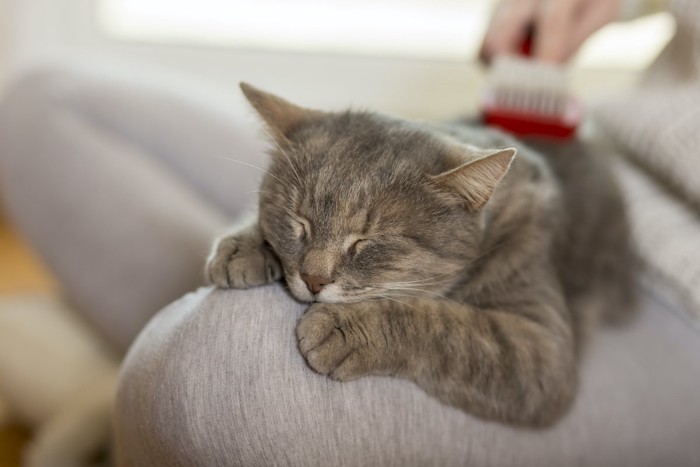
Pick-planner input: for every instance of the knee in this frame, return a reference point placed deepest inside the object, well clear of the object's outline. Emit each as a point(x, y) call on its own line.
point(36, 92)
point(189, 371)
point(29, 109)
point(151, 394)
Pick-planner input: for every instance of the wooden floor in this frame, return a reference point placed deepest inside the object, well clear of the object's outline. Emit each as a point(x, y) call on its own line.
point(20, 272)
point(12, 440)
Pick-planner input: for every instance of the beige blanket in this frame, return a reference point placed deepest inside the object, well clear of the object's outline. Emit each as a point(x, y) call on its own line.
point(658, 128)
point(667, 234)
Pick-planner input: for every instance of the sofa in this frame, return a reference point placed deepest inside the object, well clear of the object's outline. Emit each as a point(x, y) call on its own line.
point(121, 186)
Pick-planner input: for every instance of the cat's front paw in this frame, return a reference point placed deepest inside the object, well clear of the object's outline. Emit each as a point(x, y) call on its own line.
point(240, 262)
point(342, 341)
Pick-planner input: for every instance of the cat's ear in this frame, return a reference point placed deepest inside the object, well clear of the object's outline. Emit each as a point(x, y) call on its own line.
point(475, 181)
point(282, 117)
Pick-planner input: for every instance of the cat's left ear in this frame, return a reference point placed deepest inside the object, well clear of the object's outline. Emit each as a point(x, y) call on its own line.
point(282, 117)
point(474, 182)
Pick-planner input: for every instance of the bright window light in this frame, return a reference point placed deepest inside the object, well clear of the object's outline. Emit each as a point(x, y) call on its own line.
point(432, 29)
point(630, 45)
point(428, 29)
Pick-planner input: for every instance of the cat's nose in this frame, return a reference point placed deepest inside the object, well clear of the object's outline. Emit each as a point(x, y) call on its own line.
point(315, 283)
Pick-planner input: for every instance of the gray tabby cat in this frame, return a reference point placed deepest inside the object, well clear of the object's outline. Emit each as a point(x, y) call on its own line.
point(471, 272)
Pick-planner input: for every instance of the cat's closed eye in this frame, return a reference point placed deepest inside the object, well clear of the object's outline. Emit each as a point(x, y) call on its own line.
point(354, 245)
point(301, 228)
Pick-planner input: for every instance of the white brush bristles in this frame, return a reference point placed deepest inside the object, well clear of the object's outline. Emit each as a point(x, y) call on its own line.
point(523, 85)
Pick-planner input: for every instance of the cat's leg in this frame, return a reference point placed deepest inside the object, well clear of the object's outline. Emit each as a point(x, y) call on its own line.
point(241, 259)
point(513, 366)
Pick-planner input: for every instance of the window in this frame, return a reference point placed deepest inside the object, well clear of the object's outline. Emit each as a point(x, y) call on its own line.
point(423, 29)
point(426, 29)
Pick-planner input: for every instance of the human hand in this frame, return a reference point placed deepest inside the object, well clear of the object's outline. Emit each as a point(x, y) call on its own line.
point(560, 26)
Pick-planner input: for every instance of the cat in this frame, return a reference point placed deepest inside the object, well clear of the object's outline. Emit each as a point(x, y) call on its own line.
point(431, 252)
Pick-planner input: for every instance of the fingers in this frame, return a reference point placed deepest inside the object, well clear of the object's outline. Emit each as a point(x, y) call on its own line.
point(508, 27)
point(561, 26)
point(593, 19)
point(554, 26)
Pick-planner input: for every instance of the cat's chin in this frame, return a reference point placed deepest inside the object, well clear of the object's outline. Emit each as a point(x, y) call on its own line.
point(307, 298)
point(341, 298)
point(303, 295)
point(334, 293)
point(330, 294)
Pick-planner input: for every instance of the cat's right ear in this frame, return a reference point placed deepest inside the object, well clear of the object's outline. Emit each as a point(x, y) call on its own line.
point(281, 117)
point(473, 183)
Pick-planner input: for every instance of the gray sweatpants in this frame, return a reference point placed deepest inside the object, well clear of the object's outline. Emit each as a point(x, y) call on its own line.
point(216, 380)
point(121, 187)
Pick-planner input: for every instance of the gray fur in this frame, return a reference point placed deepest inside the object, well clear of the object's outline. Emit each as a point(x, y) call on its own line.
point(477, 278)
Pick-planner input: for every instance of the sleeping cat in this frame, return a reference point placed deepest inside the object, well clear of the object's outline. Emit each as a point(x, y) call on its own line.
point(434, 253)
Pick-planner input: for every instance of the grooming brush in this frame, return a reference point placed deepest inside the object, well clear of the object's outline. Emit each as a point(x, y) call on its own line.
point(528, 98)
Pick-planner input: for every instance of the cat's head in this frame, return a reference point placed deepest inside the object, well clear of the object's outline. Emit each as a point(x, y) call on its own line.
point(360, 206)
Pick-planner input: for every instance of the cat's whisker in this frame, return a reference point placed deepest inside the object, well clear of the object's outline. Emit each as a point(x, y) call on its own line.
point(230, 159)
point(414, 292)
point(427, 279)
point(386, 297)
point(286, 156)
point(397, 285)
point(391, 285)
point(419, 292)
point(389, 295)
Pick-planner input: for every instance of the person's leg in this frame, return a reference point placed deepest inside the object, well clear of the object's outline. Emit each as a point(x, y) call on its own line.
point(216, 380)
point(203, 136)
point(122, 234)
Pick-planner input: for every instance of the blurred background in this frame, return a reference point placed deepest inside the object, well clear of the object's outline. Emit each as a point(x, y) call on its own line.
point(412, 57)
point(415, 58)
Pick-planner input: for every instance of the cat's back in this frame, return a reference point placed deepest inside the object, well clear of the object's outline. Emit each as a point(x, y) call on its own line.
point(592, 247)
point(594, 254)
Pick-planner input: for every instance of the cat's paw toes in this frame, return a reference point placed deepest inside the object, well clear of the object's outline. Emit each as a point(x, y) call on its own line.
point(354, 366)
point(237, 264)
point(328, 340)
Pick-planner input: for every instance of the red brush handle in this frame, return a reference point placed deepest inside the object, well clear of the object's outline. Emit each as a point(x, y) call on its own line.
point(532, 125)
point(526, 46)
